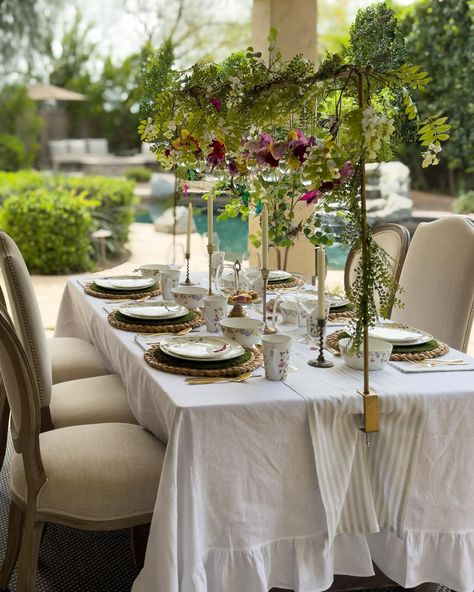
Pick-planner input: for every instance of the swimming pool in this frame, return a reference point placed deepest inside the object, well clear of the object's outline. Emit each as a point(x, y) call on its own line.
point(233, 235)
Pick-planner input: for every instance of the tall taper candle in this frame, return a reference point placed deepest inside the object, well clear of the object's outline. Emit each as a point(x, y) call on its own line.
point(190, 225)
point(210, 220)
point(264, 236)
point(321, 283)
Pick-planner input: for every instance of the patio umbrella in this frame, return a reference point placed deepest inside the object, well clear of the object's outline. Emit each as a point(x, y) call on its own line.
point(45, 92)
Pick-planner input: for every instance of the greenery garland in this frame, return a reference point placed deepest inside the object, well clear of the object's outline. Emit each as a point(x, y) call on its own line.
point(287, 134)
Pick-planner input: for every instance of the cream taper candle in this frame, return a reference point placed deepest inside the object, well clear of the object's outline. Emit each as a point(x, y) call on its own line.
point(321, 283)
point(264, 236)
point(210, 220)
point(189, 227)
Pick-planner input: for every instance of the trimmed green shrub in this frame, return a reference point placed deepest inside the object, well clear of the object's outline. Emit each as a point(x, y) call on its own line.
point(464, 204)
point(52, 230)
point(12, 153)
point(138, 174)
point(111, 200)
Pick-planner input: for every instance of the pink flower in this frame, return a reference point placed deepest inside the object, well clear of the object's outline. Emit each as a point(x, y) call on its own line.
point(216, 104)
point(311, 197)
point(185, 190)
point(347, 170)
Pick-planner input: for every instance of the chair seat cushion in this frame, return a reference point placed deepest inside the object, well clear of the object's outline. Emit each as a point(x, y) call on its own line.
point(73, 358)
point(99, 399)
point(96, 472)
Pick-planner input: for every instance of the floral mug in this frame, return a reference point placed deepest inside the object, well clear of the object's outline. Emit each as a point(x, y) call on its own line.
point(276, 356)
point(215, 309)
point(169, 279)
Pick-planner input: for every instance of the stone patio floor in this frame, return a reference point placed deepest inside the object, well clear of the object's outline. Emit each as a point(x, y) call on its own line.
point(146, 246)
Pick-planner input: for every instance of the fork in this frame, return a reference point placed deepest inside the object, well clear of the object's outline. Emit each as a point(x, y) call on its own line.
point(436, 363)
point(203, 380)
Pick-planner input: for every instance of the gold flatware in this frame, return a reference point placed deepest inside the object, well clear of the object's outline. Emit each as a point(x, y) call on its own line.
point(205, 380)
point(127, 300)
point(179, 333)
point(435, 363)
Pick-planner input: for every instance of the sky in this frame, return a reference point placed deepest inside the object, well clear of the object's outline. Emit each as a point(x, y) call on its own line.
point(118, 33)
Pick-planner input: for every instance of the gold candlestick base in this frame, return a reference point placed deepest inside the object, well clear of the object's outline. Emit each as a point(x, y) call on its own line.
point(237, 312)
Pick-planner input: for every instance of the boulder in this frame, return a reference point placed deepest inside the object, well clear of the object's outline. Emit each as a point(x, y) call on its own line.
point(162, 186)
point(165, 222)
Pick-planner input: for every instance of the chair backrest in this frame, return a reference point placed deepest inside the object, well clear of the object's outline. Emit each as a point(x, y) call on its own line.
point(394, 239)
point(21, 390)
point(26, 314)
point(438, 280)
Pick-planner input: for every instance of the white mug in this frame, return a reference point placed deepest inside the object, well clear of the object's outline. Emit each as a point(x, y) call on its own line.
point(276, 356)
point(169, 279)
point(215, 309)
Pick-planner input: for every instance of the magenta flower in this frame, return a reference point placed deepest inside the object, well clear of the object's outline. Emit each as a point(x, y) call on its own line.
point(232, 167)
point(311, 197)
point(186, 190)
point(216, 104)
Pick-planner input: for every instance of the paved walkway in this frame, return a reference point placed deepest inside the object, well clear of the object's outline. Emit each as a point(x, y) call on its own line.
point(146, 246)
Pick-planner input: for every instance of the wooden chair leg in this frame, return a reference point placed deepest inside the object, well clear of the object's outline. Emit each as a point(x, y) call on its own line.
point(139, 539)
point(4, 418)
point(28, 563)
point(15, 531)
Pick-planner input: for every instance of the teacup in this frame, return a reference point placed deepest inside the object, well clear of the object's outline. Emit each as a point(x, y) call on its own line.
point(215, 309)
point(276, 356)
point(169, 279)
point(153, 270)
point(379, 353)
point(247, 332)
point(189, 296)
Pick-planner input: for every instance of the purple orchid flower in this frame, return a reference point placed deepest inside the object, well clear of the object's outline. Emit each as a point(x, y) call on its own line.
point(347, 170)
point(218, 153)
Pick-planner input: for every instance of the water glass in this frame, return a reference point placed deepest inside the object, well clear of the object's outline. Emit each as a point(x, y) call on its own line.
point(215, 309)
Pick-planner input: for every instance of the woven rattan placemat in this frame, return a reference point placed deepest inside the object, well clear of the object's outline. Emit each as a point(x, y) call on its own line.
point(94, 290)
point(414, 353)
point(191, 321)
point(289, 283)
point(159, 360)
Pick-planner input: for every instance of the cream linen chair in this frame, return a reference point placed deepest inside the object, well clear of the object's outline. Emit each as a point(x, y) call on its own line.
point(92, 477)
point(438, 280)
point(69, 358)
point(394, 240)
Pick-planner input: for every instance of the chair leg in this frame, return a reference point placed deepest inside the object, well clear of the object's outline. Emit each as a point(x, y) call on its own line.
point(139, 541)
point(28, 563)
point(15, 531)
point(4, 417)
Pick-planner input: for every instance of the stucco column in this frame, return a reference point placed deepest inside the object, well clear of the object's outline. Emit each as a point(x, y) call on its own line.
point(295, 21)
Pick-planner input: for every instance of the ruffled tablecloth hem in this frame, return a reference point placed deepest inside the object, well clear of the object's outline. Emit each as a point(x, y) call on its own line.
point(439, 557)
point(296, 564)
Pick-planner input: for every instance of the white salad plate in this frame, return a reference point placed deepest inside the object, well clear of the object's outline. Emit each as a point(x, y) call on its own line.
point(399, 335)
point(160, 309)
point(201, 348)
point(125, 282)
point(277, 275)
point(337, 301)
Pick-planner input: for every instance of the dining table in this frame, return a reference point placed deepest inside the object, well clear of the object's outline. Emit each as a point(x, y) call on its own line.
point(272, 483)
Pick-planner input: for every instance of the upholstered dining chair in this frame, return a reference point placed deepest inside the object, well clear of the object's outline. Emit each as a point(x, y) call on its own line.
point(92, 477)
point(437, 280)
point(95, 399)
point(69, 357)
point(394, 239)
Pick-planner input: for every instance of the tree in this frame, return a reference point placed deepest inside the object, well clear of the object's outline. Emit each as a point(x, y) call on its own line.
point(440, 37)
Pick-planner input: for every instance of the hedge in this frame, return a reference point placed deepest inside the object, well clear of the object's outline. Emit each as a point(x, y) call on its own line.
point(51, 229)
point(106, 202)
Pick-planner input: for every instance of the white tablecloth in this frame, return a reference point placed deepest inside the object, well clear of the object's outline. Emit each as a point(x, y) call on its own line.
point(240, 506)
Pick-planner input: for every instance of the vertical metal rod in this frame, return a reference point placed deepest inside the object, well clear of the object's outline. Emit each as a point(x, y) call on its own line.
point(365, 251)
point(210, 249)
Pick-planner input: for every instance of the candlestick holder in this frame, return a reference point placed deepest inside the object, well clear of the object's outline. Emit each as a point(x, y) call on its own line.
point(210, 250)
point(187, 281)
point(267, 330)
point(320, 361)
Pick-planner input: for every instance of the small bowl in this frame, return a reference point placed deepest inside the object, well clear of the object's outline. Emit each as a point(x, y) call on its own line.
point(189, 296)
point(246, 332)
point(379, 353)
point(153, 270)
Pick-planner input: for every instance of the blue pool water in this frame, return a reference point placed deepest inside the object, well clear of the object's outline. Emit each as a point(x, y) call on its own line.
point(233, 234)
